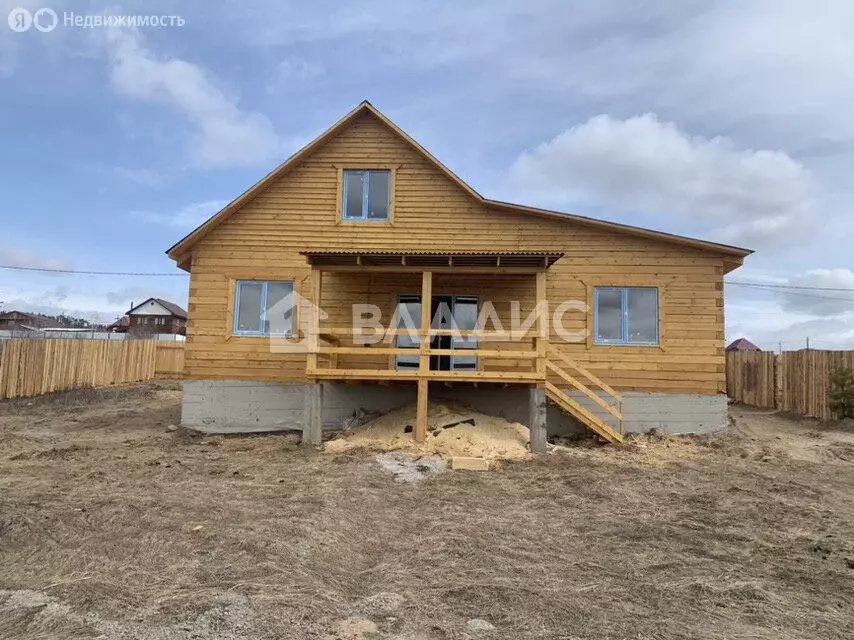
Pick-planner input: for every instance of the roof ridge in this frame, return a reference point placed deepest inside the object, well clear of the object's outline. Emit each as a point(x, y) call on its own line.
point(173, 308)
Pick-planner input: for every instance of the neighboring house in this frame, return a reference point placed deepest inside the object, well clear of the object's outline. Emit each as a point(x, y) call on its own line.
point(365, 215)
point(742, 344)
point(120, 326)
point(155, 316)
point(22, 321)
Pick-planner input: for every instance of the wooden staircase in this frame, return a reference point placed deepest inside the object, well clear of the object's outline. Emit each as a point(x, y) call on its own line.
point(557, 364)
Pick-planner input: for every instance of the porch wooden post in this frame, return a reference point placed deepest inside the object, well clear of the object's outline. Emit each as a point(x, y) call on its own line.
point(314, 321)
point(424, 356)
point(312, 431)
point(541, 339)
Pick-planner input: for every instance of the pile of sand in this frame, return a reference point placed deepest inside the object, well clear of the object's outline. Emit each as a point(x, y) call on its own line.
point(452, 430)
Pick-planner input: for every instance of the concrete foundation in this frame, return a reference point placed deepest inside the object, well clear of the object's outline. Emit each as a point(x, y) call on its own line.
point(230, 406)
point(669, 412)
point(510, 403)
point(237, 406)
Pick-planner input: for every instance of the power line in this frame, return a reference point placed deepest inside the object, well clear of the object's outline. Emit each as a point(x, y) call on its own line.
point(755, 285)
point(794, 293)
point(786, 286)
point(94, 273)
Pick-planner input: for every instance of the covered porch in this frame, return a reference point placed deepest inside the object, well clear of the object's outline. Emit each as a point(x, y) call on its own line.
point(487, 323)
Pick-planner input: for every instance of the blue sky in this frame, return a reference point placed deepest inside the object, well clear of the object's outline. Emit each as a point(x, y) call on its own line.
point(730, 121)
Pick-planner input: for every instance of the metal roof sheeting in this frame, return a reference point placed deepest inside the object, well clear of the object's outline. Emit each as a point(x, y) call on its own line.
point(427, 259)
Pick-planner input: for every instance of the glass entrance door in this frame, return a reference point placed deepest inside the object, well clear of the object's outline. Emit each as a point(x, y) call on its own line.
point(441, 311)
point(447, 311)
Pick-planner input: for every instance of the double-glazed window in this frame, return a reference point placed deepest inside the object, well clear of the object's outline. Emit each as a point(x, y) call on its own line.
point(367, 194)
point(263, 308)
point(625, 315)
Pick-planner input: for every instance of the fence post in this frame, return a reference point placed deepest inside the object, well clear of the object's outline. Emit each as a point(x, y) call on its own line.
point(779, 374)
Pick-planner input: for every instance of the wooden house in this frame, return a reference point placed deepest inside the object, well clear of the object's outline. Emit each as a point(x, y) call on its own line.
point(742, 344)
point(154, 316)
point(22, 321)
point(555, 320)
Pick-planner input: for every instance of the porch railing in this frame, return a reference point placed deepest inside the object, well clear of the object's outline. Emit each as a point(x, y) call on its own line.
point(329, 348)
point(326, 344)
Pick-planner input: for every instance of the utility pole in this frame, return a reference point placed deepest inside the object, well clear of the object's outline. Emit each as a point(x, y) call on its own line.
point(780, 347)
point(808, 343)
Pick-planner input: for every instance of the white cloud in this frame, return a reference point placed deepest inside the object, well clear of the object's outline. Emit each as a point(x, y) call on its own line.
point(823, 333)
point(57, 300)
point(226, 136)
point(8, 56)
point(292, 72)
point(776, 60)
point(820, 299)
point(142, 176)
point(94, 299)
point(187, 217)
point(823, 311)
point(128, 296)
point(745, 196)
point(13, 257)
point(298, 68)
point(98, 299)
point(12, 42)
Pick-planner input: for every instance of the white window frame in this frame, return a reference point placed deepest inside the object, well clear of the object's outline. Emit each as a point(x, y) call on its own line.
point(263, 318)
point(624, 308)
point(365, 174)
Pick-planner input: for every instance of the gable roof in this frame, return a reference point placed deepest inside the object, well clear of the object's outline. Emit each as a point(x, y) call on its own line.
point(742, 344)
point(171, 307)
point(121, 323)
point(179, 250)
point(32, 320)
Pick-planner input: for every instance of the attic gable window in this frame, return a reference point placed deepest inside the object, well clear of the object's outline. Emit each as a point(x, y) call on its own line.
point(367, 194)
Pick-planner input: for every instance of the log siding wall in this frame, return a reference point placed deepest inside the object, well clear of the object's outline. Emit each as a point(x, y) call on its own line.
point(301, 212)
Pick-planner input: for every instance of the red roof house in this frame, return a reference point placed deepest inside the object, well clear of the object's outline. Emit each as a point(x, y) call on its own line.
point(742, 344)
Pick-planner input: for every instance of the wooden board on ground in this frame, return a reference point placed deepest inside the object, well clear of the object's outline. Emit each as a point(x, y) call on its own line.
point(464, 463)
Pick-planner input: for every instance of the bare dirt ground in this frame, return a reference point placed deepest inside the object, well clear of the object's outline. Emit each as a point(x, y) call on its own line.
point(112, 526)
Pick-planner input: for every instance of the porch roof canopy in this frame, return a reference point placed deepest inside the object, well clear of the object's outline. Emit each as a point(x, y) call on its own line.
point(417, 260)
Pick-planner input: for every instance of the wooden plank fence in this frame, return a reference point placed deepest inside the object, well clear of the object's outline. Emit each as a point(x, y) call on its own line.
point(750, 378)
point(169, 362)
point(796, 381)
point(34, 367)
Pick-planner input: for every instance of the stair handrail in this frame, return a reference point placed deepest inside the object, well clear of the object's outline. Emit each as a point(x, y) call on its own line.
point(614, 411)
point(589, 419)
point(553, 352)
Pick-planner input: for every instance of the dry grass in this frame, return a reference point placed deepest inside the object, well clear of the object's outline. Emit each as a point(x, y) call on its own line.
point(660, 538)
